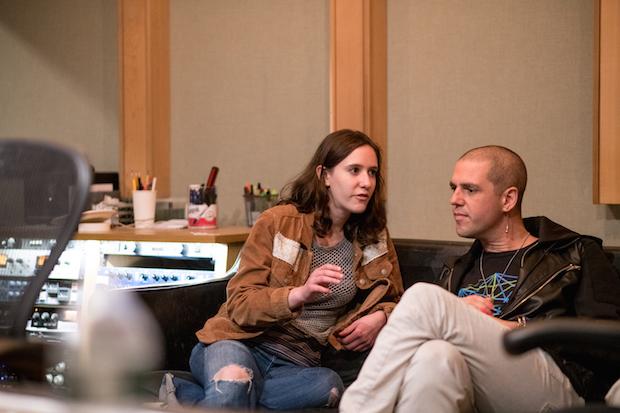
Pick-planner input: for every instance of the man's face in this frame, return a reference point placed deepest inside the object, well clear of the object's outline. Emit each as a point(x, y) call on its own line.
point(476, 208)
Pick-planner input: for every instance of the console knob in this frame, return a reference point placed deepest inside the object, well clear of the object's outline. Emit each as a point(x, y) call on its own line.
point(59, 380)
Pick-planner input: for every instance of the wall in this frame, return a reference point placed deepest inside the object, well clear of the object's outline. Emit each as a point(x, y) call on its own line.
point(250, 93)
point(250, 85)
point(58, 77)
point(514, 73)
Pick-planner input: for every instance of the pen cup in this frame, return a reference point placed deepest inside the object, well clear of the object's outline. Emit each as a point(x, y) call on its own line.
point(255, 205)
point(144, 208)
point(202, 208)
point(202, 216)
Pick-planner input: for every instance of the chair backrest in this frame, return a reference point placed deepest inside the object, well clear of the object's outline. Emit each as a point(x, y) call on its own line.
point(43, 190)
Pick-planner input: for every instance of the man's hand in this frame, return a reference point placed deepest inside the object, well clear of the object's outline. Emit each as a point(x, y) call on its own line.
point(317, 283)
point(362, 333)
point(485, 305)
point(480, 303)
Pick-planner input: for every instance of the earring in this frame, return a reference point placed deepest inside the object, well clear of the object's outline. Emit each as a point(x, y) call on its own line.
point(507, 225)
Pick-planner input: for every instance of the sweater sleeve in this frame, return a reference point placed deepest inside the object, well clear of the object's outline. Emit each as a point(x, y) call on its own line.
point(252, 299)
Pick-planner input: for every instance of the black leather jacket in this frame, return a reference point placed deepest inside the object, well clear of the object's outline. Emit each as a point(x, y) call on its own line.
point(565, 274)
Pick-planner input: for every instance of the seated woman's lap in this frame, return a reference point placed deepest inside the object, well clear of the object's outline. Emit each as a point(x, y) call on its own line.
point(276, 383)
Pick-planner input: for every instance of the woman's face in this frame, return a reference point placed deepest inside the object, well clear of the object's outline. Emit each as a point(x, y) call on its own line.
point(352, 182)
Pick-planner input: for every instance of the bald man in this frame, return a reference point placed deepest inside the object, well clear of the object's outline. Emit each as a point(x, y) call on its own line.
point(441, 350)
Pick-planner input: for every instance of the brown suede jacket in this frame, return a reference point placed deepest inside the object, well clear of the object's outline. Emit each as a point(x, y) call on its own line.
point(276, 258)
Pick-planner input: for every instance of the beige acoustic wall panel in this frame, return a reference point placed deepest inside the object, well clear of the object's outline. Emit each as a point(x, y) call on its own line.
point(249, 93)
point(508, 72)
point(58, 77)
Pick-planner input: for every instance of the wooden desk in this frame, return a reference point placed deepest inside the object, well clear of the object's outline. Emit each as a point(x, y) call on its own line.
point(234, 237)
point(227, 235)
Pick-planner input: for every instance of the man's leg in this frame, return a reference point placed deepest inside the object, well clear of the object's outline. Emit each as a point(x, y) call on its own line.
point(613, 396)
point(436, 361)
point(529, 382)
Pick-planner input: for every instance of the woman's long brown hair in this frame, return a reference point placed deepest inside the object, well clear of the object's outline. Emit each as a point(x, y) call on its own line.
point(309, 193)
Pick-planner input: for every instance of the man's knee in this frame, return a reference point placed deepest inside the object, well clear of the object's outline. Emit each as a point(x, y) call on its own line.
point(441, 355)
point(422, 292)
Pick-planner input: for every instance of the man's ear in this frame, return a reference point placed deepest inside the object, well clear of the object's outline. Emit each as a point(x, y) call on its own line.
point(510, 197)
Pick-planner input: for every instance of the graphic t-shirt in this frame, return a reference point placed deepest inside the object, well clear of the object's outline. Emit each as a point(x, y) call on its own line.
point(493, 278)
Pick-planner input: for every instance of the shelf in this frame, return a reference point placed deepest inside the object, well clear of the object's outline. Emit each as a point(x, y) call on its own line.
point(227, 235)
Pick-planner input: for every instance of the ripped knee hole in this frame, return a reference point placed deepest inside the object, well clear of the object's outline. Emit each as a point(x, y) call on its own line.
point(233, 372)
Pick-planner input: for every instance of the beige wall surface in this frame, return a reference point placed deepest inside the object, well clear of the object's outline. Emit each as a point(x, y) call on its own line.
point(58, 77)
point(249, 93)
point(508, 72)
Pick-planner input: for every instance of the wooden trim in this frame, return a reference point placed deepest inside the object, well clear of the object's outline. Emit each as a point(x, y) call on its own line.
point(608, 143)
point(358, 68)
point(224, 235)
point(596, 64)
point(144, 67)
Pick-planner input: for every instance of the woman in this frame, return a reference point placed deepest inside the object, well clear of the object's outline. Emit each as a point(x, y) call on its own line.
point(316, 270)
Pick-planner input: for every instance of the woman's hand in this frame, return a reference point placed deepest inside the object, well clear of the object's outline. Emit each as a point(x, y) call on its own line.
point(362, 333)
point(317, 283)
point(480, 303)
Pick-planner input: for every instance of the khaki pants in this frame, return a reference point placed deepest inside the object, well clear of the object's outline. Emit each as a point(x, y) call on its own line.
point(438, 354)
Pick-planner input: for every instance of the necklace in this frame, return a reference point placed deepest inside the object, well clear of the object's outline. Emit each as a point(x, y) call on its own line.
point(484, 280)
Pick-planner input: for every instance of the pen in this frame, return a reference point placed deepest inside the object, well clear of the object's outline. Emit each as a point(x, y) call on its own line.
point(212, 176)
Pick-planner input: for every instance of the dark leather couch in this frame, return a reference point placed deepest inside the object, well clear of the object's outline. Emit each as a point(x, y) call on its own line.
point(181, 311)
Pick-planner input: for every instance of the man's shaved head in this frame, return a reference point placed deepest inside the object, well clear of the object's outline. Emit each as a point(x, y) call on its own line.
point(507, 168)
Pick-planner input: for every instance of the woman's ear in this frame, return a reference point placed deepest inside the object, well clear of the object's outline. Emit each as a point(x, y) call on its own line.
point(319, 174)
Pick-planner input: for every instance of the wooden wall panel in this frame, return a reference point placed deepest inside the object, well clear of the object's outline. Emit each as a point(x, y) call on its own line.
point(607, 103)
point(144, 59)
point(359, 66)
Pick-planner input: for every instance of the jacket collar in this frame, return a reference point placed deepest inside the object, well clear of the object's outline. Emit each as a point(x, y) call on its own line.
point(551, 235)
point(366, 255)
point(548, 231)
point(307, 233)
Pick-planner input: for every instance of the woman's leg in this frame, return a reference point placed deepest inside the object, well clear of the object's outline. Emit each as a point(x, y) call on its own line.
point(288, 386)
point(228, 374)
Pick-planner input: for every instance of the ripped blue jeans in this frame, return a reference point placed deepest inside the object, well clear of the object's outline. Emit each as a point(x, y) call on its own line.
point(271, 382)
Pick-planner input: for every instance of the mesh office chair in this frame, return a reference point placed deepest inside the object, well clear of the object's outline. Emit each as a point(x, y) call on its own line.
point(598, 340)
point(43, 189)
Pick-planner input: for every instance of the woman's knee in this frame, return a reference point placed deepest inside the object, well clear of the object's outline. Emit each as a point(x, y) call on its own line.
point(222, 360)
point(331, 386)
point(233, 372)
